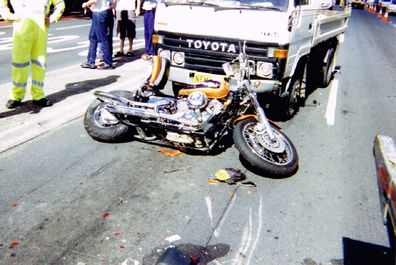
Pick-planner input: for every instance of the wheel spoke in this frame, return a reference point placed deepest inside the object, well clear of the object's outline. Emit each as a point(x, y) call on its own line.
point(252, 139)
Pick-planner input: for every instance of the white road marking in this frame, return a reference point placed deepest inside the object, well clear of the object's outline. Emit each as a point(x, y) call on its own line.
point(331, 105)
point(76, 26)
point(209, 206)
point(137, 44)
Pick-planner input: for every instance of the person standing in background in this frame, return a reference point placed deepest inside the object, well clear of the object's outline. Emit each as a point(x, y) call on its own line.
point(126, 24)
point(99, 33)
point(149, 16)
point(29, 46)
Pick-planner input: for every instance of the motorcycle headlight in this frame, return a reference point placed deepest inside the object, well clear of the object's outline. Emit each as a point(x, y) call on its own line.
point(264, 69)
point(178, 58)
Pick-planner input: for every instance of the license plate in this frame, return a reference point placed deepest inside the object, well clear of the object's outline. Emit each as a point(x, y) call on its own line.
point(199, 78)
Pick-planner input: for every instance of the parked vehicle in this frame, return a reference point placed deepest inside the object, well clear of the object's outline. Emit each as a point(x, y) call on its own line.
point(384, 4)
point(291, 44)
point(392, 7)
point(73, 6)
point(385, 161)
point(358, 3)
point(199, 118)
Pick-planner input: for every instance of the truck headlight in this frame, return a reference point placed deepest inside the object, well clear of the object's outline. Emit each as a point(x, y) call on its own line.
point(178, 58)
point(164, 54)
point(264, 69)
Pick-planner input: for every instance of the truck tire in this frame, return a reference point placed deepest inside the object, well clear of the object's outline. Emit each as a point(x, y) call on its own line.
point(297, 93)
point(328, 67)
point(104, 129)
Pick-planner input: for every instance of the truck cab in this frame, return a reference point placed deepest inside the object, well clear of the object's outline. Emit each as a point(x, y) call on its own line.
point(197, 36)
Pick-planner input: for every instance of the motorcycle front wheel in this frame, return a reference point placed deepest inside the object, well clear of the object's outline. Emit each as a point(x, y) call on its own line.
point(103, 126)
point(277, 157)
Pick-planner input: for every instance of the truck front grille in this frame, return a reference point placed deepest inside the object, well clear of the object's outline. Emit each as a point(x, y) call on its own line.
point(207, 54)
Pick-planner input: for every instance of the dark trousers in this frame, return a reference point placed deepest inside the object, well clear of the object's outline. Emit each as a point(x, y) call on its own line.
point(99, 34)
point(149, 16)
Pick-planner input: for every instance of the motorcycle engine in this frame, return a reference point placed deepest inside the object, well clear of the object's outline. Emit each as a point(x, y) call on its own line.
point(194, 112)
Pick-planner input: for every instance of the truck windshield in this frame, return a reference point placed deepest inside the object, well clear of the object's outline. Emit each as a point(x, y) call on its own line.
point(279, 5)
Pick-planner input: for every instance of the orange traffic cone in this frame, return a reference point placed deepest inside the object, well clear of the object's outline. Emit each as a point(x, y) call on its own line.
point(386, 16)
point(371, 9)
point(380, 12)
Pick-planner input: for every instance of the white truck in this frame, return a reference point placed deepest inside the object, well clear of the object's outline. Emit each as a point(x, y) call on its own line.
point(291, 44)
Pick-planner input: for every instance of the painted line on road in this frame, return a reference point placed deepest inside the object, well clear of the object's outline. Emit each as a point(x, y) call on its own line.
point(136, 45)
point(73, 27)
point(331, 104)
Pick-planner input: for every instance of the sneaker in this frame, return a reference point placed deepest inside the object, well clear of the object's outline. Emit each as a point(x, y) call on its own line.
point(88, 65)
point(146, 57)
point(12, 104)
point(106, 67)
point(42, 102)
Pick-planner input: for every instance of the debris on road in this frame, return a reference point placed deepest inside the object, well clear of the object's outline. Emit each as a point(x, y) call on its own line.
point(231, 176)
point(170, 152)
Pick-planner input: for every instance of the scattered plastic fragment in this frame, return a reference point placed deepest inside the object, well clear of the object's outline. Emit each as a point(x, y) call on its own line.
point(135, 262)
point(123, 200)
point(121, 246)
point(213, 181)
point(14, 205)
point(117, 233)
point(13, 255)
point(169, 152)
point(14, 244)
point(105, 215)
point(173, 238)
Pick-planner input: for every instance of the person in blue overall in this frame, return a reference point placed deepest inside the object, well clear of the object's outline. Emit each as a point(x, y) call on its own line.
point(149, 16)
point(99, 33)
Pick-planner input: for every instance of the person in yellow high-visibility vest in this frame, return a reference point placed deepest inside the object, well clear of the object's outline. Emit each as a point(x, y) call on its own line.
point(31, 19)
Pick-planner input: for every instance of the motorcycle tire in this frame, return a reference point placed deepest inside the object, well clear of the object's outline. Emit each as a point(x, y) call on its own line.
point(101, 129)
point(256, 151)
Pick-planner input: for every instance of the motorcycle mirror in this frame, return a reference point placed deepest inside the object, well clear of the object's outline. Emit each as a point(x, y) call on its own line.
point(227, 68)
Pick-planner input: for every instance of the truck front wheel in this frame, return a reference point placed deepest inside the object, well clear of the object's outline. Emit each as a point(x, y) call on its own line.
point(296, 92)
point(328, 67)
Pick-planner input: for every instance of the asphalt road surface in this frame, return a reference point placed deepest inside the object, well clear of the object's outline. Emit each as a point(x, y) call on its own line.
point(66, 199)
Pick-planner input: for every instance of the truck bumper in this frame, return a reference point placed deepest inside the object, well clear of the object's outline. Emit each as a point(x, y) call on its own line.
point(185, 76)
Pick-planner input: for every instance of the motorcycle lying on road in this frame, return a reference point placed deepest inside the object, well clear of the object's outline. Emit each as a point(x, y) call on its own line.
point(198, 118)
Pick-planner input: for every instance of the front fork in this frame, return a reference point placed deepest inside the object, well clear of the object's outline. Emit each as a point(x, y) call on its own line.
point(263, 123)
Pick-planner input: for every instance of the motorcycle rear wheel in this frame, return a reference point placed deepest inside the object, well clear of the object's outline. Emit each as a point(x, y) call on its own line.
point(102, 125)
point(278, 159)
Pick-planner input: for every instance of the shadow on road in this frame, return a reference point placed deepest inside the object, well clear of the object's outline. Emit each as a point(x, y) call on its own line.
point(70, 90)
point(363, 253)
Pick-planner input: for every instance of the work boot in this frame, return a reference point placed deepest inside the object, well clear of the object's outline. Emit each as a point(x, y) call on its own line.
point(13, 104)
point(42, 102)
